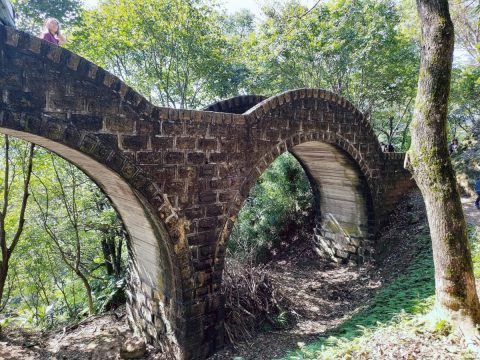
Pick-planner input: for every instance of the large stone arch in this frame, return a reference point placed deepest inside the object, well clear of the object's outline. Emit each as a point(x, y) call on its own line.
point(189, 171)
point(54, 98)
point(307, 122)
point(153, 273)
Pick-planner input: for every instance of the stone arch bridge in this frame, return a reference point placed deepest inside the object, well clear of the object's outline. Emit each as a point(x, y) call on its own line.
point(178, 178)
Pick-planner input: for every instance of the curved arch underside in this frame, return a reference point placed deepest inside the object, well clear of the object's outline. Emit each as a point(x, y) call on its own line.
point(148, 255)
point(343, 218)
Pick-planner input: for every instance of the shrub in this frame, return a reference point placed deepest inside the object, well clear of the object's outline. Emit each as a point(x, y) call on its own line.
point(279, 206)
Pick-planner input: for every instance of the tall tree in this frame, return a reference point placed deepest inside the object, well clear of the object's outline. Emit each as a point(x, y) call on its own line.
point(32, 13)
point(172, 51)
point(456, 296)
point(66, 234)
point(13, 204)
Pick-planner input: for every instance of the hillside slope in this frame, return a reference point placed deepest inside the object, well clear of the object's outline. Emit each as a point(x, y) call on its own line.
point(368, 312)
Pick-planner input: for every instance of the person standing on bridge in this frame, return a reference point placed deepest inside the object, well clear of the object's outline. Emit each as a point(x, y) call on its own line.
point(477, 190)
point(51, 32)
point(453, 147)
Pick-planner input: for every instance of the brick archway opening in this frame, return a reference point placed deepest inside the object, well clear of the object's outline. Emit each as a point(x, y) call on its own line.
point(343, 229)
point(345, 224)
point(344, 213)
point(289, 208)
point(152, 298)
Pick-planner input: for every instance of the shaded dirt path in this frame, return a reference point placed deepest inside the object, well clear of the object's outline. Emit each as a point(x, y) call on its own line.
point(99, 338)
point(325, 295)
point(472, 214)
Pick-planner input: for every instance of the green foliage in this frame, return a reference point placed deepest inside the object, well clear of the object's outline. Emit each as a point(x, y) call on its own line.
point(279, 205)
point(352, 48)
point(31, 14)
point(68, 219)
point(282, 320)
point(110, 292)
point(172, 51)
point(442, 327)
point(464, 115)
point(17, 167)
point(474, 236)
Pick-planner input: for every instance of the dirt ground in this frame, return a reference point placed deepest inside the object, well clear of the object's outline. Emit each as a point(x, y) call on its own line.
point(472, 214)
point(324, 296)
point(97, 338)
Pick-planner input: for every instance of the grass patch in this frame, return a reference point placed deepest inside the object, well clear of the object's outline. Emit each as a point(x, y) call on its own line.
point(393, 310)
point(474, 236)
point(410, 293)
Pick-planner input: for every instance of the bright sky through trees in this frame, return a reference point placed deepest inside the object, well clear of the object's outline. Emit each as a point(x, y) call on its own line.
point(230, 5)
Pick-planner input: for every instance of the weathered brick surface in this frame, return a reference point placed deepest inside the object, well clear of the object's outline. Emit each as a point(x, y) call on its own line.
point(191, 171)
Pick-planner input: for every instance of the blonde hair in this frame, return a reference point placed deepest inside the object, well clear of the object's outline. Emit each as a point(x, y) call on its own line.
point(47, 23)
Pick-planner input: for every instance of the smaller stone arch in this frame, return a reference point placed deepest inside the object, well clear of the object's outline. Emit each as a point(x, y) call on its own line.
point(344, 211)
point(331, 139)
point(236, 104)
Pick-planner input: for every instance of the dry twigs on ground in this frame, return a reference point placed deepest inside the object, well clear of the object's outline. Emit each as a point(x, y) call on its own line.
point(252, 301)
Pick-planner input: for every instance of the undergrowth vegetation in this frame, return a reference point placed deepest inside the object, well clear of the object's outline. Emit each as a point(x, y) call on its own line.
point(276, 215)
point(279, 208)
point(253, 303)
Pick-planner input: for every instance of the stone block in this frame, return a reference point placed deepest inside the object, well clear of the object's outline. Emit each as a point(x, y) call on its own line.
point(196, 158)
point(134, 142)
point(207, 170)
point(119, 124)
point(207, 224)
point(174, 158)
point(161, 143)
point(218, 157)
point(149, 157)
point(207, 198)
point(186, 143)
point(207, 144)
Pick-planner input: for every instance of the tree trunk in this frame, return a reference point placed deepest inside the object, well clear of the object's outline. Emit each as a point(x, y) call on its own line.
point(118, 256)
point(5, 249)
point(107, 255)
point(88, 290)
point(3, 277)
point(428, 160)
